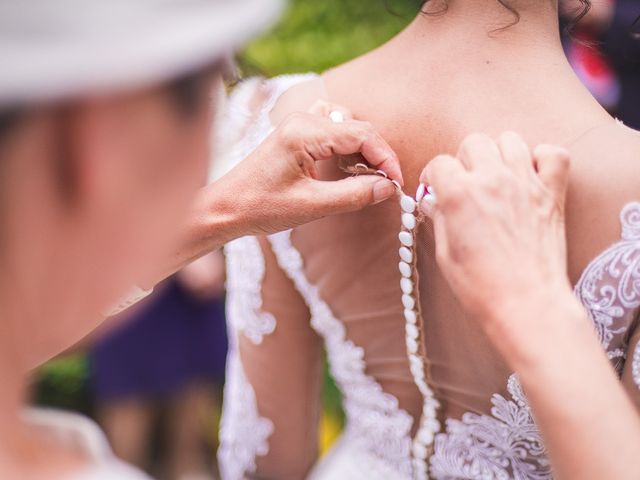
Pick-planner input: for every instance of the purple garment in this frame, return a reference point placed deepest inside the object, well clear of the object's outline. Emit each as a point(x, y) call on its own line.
point(173, 340)
point(623, 50)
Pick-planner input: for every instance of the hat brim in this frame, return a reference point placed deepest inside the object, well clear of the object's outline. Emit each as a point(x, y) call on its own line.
point(119, 48)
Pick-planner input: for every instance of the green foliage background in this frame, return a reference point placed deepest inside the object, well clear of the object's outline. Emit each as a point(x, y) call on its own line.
point(315, 35)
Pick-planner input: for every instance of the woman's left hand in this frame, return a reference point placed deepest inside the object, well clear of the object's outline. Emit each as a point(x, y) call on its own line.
point(499, 223)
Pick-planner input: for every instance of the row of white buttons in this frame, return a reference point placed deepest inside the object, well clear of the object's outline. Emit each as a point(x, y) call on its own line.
point(429, 424)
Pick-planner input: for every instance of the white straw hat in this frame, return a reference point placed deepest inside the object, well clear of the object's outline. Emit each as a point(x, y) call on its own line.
point(52, 49)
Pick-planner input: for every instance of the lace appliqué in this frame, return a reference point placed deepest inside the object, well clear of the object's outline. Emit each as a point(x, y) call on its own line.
point(505, 446)
point(375, 419)
point(508, 444)
point(245, 272)
point(243, 433)
point(610, 286)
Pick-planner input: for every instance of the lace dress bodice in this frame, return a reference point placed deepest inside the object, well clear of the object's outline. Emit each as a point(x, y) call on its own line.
point(333, 286)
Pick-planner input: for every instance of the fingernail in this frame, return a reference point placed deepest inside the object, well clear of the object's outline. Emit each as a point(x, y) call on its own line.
point(383, 190)
point(427, 204)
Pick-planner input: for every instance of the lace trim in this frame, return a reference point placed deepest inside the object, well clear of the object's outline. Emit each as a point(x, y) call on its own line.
point(505, 446)
point(376, 421)
point(635, 366)
point(263, 127)
point(243, 433)
point(609, 287)
point(245, 272)
point(508, 444)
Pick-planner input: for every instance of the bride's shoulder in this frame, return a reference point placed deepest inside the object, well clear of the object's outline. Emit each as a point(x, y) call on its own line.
point(612, 153)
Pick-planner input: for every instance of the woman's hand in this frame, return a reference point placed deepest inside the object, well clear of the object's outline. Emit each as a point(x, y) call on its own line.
point(276, 187)
point(499, 223)
point(500, 240)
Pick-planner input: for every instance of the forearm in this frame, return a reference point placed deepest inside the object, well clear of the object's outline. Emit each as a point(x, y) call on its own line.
point(214, 218)
point(588, 423)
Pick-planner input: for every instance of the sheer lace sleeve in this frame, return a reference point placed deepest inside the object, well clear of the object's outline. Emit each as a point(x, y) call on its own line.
point(272, 399)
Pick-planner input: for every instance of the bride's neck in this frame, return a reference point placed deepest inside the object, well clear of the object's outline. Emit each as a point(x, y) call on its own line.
point(486, 30)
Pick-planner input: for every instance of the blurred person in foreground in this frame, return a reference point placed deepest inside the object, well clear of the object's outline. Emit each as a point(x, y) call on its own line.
point(162, 369)
point(105, 120)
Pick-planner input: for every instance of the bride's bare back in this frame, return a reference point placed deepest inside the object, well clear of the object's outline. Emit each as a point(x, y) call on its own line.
point(438, 81)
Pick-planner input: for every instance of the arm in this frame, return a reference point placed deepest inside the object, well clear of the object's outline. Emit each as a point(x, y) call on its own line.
point(283, 369)
point(276, 186)
point(498, 207)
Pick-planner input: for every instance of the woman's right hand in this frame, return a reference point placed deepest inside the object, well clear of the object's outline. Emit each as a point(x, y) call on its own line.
point(276, 187)
point(499, 224)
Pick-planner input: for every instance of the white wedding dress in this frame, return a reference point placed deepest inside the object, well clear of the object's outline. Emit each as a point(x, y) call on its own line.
point(299, 293)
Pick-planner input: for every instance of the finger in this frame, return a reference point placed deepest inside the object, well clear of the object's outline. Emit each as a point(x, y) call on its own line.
point(354, 137)
point(479, 151)
point(351, 194)
point(325, 109)
point(516, 154)
point(441, 240)
point(443, 174)
point(553, 164)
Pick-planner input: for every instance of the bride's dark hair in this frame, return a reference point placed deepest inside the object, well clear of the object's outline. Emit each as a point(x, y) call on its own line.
point(580, 12)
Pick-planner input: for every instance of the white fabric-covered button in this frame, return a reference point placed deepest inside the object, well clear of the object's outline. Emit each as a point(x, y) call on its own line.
point(431, 402)
point(420, 469)
point(426, 436)
point(422, 386)
point(429, 410)
point(336, 116)
point(419, 451)
point(406, 285)
point(405, 269)
point(414, 359)
point(408, 301)
point(408, 221)
point(406, 254)
point(412, 345)
point(417, 371)
point(408, 204)
point(412, 330)
point(410, 316)
point(432, 424)
point(406, 239)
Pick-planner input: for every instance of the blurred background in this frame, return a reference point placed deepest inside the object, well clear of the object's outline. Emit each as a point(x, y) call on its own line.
point(153, 379)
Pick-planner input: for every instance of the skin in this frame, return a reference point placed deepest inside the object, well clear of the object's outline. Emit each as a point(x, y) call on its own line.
point(500, 205)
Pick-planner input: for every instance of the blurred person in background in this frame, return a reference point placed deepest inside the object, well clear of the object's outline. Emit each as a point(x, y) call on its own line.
point(168, 357)
point(105, 122)
point(604, 50)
